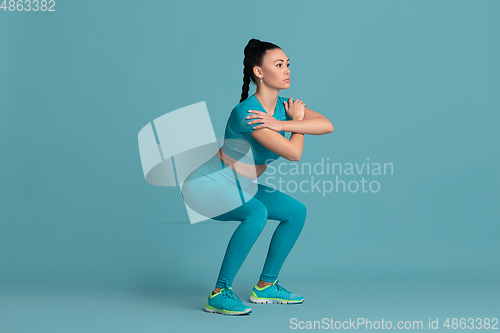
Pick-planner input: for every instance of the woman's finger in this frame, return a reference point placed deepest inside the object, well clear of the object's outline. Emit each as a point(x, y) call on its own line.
point(253, 116)
point(253, 112)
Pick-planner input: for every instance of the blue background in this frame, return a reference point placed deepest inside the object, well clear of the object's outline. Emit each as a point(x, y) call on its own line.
point(87, 245)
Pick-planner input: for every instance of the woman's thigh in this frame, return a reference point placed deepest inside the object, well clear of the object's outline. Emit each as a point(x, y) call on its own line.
point(211, 189)
point(280, 206)
point(211, 198)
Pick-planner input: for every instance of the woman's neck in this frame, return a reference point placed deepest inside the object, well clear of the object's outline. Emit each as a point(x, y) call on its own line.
point(268, 101)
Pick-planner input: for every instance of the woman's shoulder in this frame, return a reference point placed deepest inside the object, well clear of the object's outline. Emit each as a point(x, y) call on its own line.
point(239, 114)
point(242, 108)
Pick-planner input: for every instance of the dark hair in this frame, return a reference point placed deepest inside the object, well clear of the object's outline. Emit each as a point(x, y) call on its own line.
point(254, 54)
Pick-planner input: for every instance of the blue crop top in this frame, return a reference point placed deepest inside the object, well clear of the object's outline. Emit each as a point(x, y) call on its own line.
point(237, 137)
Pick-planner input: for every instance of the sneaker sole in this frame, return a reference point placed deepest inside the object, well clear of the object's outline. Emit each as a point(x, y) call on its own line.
point(227, 313)
point(267, 300)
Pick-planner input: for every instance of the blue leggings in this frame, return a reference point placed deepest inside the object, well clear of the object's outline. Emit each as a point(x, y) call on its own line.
point(215, 184)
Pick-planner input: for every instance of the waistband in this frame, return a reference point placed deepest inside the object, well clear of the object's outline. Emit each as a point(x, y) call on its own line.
point(216, 170)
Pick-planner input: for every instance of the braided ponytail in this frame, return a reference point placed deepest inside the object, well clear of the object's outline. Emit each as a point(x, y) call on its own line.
point(246, 85)
point(254, 55)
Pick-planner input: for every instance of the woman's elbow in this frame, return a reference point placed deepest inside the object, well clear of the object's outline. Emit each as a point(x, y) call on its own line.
point(330, 127)
point(296, 157)
point(292, 157)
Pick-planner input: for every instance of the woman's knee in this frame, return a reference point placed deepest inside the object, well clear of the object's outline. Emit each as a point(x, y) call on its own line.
point(257, 214)
point(297, 207)
point(299, 212)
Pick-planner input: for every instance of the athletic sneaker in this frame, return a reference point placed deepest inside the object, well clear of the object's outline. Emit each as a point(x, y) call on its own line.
point(274, 293)
point(226, 302)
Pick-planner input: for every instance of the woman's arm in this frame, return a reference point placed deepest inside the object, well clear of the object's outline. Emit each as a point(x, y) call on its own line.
point(313, 123)
point(275, 142)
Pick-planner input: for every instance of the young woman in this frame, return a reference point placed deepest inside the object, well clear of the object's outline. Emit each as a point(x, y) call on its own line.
point(223, 189)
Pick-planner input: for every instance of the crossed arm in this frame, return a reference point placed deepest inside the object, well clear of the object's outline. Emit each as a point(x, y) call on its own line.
point(312, 123)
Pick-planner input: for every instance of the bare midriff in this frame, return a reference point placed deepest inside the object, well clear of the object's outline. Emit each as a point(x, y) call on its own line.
point(244, 169)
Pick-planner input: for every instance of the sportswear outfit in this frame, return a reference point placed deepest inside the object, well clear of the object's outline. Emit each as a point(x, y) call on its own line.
point(214, 185)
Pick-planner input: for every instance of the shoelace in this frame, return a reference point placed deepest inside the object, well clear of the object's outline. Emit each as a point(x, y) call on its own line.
point(279, 287)
point(229, 293)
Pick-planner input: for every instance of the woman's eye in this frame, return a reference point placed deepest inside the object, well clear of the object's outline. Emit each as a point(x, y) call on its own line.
point(280, 65)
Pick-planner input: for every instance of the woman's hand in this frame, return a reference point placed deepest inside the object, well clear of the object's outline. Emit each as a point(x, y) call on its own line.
point(295, 109)
point(268, 121)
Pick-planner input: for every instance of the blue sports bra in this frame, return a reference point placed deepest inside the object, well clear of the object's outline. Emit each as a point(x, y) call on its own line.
point(237, 137)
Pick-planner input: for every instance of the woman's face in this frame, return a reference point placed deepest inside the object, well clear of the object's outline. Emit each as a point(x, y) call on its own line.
point(275, 69)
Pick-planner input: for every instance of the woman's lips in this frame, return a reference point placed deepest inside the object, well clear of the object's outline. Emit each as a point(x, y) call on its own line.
point(287, 80)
